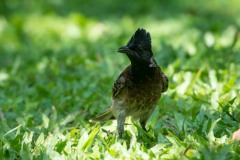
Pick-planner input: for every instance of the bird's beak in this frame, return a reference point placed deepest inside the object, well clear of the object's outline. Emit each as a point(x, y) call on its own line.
point(125, 49)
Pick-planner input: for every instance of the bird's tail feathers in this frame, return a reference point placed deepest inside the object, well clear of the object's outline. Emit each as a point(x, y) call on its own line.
point(107, 115)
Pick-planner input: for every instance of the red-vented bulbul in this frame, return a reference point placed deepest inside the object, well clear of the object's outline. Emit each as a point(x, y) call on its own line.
point(138, 88)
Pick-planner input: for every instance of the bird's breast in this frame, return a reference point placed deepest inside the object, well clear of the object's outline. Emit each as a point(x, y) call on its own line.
point(139, 97)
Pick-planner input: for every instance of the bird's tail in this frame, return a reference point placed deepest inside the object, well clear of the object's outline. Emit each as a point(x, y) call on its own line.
point(107, 115)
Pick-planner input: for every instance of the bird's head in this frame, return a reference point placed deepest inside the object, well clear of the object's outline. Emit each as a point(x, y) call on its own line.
point(139, 49)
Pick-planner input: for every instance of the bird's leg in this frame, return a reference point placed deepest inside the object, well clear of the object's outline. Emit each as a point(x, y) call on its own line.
point(143, 121)
point(120, 123)
point(143, 124)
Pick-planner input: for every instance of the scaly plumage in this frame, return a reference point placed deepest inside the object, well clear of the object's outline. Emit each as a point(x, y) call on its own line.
point(138, 88)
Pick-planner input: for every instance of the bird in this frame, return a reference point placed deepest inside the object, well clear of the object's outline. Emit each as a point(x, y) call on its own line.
point(138, 88)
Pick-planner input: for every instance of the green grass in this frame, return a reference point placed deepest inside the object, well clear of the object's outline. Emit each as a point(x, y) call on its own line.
point(58, 61)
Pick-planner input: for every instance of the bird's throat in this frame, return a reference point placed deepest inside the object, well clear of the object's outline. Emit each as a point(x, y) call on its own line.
point(140, 72)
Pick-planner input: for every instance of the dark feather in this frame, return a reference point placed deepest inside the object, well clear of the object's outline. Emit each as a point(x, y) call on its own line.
point(141, 38)
point(138, 88)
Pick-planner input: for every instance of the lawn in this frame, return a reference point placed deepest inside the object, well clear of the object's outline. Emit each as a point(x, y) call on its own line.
point(59, 60)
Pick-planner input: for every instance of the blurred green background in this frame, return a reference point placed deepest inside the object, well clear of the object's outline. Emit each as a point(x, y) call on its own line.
point(58, 58)
point(63, 53)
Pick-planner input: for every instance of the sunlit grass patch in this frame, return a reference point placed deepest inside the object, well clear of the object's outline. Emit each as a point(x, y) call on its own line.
point(57, 69)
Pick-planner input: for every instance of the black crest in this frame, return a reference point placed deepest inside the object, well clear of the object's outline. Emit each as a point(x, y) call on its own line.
point(141, 38)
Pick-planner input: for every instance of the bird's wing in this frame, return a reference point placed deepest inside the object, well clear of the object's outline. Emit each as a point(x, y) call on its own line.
point(165, 82)
point(120, 83)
